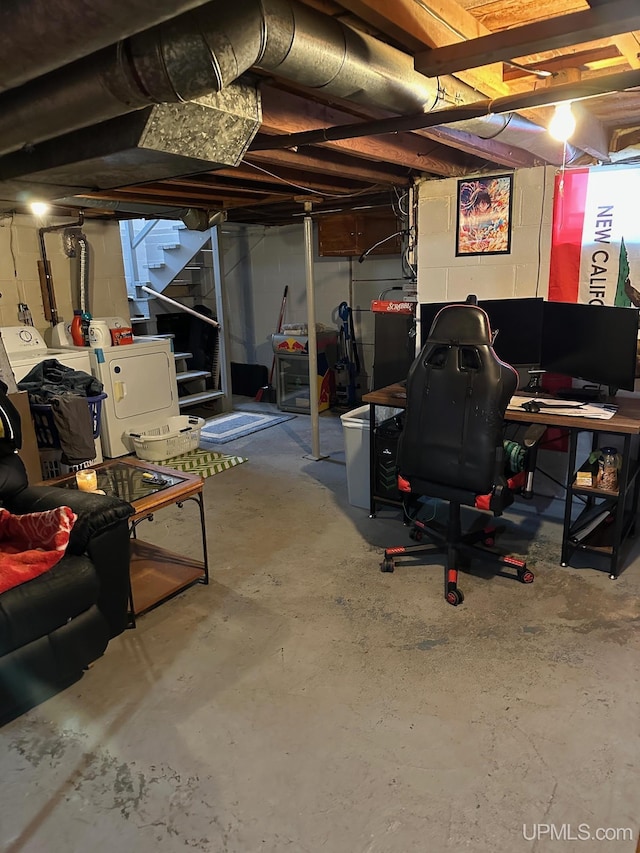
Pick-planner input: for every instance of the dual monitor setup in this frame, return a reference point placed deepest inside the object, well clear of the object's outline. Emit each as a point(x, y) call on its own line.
point(594, 343)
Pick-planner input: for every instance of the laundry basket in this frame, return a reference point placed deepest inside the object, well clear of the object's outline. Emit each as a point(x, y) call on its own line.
point(46, 432)
point(173, 437)
point(48, 438)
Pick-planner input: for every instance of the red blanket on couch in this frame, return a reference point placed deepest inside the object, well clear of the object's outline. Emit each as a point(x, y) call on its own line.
point(31, 544)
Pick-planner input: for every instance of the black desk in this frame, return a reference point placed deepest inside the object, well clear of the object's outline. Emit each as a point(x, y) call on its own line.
point(609, 539)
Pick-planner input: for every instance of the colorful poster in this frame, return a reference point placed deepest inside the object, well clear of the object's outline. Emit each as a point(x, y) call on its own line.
point(595, 250)
point(484, 216)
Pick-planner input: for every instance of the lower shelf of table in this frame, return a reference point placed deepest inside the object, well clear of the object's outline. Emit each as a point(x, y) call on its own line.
point(157, 574)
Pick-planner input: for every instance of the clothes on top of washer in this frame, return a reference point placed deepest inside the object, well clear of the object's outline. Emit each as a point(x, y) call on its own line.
point(50, 379)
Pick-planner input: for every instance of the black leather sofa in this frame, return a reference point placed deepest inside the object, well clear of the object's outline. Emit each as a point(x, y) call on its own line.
point(54, 626)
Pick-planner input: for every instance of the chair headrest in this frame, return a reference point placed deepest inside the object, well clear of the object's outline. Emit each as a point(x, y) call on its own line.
point(461, 324)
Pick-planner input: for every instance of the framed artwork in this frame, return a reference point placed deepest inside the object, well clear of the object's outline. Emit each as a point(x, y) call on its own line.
point(483, 223)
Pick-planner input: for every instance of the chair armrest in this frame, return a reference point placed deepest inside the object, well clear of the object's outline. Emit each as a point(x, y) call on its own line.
point(96, 513)
point(101, 532)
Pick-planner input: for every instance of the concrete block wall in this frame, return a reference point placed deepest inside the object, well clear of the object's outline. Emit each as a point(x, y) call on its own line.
point(523, 272)
point(19, 281)
point(258, 263)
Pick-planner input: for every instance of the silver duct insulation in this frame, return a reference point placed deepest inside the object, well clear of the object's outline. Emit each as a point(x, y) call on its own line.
point(31, 46)
point(205, 50)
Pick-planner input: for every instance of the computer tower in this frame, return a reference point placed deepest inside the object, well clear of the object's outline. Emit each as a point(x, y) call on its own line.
point(386, 438)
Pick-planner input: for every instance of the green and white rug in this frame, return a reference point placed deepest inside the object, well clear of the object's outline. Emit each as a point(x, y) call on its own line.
point(203, 462)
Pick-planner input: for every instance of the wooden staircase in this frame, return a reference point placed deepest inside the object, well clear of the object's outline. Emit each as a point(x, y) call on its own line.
point(192, 384)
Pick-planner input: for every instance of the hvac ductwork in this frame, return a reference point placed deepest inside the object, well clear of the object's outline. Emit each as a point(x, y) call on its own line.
point(203, 51)
point(30, 46)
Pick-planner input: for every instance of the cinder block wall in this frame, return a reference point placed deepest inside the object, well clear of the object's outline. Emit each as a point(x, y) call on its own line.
point(19, 281)
point(258, 263)
point(523, 272)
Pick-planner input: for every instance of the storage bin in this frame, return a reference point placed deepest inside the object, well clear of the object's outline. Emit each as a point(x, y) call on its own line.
point(52, 466)
point(355, 427)
point(173, 437)
point(45, 427)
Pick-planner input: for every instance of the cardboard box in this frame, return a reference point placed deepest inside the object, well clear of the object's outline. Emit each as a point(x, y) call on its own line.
point(29, 452)
point(120, 337)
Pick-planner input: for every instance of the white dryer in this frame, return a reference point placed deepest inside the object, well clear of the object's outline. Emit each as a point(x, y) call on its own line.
point(140, 382)
point(26, 347)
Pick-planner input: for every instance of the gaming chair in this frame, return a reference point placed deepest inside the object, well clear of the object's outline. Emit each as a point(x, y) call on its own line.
point(451, 447)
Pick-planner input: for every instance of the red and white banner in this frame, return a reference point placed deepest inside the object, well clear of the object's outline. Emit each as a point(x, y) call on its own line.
point(595, 246)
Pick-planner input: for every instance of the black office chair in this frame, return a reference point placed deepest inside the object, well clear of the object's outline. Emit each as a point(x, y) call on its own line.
point(452, 444)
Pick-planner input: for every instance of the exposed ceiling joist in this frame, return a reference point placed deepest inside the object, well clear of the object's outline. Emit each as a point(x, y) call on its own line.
point(614, 18)
point(290, 114)
point(415, 25)
point(535, 98)
point(326, 163)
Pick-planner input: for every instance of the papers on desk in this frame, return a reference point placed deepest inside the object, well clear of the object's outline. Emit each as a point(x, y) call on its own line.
point(566, 408)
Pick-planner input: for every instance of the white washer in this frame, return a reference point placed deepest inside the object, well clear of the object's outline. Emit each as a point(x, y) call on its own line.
point(25, 348)
point(140, 382)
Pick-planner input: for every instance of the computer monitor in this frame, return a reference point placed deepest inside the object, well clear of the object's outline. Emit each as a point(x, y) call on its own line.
point(428, 311)
point(597, 343)
point(517, 326)
point(515, 323)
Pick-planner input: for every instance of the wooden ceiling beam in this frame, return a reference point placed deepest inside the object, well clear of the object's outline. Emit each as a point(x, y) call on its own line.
point(607, 55)
point(610, 19)
point(333, 164)
point(133, 196)
point(490, 149)
point(629, 46)
point(419, 25)
point(284, 113)
point(182, 197)
point(235, 180)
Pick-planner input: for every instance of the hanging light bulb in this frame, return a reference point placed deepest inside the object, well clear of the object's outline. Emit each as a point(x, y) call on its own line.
point(563, 123)
point(39, 208)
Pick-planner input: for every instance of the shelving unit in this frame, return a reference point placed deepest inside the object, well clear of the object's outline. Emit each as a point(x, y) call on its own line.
point(617, 519)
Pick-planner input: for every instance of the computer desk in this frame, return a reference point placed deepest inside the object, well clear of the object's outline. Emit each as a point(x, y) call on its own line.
point(610, 537)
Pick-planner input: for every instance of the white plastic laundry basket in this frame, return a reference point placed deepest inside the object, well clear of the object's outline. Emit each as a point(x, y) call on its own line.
point(173, 437)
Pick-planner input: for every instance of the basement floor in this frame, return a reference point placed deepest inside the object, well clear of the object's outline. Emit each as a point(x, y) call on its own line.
point(305, 701)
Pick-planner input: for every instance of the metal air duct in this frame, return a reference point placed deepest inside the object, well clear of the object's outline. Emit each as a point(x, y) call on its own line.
point(36, 37)
point(155, 143)
point(205, 50)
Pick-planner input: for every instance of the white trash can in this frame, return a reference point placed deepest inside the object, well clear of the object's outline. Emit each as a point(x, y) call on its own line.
point(355, 427)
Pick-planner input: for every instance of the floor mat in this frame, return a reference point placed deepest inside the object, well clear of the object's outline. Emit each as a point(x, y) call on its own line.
point(203, 462)
point(226, 428)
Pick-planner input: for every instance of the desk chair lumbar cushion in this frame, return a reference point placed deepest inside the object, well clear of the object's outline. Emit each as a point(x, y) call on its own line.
point(451, 447)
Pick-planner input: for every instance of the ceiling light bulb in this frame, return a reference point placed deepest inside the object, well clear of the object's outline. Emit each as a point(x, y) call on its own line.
point(563, 123)
point(39, 208)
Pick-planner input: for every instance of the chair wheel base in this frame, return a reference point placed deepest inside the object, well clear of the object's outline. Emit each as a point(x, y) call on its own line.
point(526, 576)
point(454, 597)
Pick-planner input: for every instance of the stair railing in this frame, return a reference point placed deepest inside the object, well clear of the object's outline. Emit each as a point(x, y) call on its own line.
point(180, 306)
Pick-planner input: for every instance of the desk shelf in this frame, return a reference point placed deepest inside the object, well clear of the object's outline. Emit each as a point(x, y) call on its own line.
point(624, 425)
point(609, 536)
point(601, 540)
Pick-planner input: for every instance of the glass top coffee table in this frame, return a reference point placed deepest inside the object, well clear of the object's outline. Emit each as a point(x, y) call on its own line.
point(156, 574)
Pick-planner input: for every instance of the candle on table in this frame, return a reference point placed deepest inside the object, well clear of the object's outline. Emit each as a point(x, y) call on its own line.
point(87, 480)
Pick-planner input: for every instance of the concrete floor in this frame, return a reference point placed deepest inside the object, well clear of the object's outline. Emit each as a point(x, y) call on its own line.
point(305, 701)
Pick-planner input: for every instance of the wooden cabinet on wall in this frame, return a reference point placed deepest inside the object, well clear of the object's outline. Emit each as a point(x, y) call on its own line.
point(353, 233)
